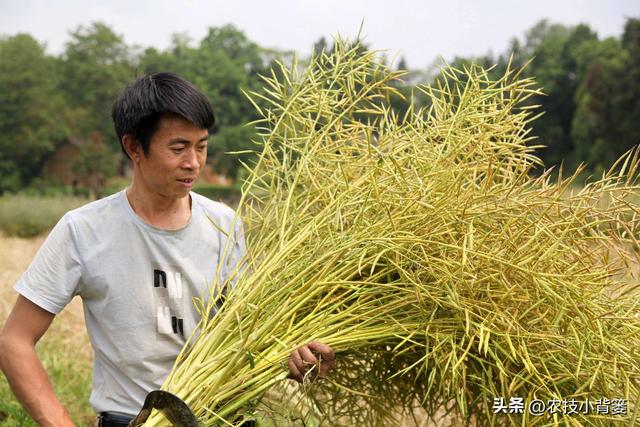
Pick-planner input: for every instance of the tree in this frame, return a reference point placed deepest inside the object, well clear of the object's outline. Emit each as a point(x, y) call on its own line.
point(96, 66)
point(546, 43)
point(608, 99)
point(30, 121)
point(558, 68)
point(630, 99)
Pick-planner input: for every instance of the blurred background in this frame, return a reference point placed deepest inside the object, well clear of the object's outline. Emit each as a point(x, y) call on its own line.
point(62, 63)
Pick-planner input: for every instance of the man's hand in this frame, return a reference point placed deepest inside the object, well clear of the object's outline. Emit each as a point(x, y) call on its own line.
point(310, 361)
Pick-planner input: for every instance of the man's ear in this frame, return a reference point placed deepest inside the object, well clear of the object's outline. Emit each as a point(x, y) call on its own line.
point(132, 147)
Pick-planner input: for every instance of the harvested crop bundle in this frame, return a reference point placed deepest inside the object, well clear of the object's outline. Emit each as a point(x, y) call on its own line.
point(420, 249)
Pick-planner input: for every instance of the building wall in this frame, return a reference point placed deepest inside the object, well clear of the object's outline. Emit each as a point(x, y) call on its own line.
point(59, 165)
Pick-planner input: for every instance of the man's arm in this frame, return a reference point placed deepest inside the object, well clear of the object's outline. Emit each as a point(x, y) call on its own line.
point(22, 367)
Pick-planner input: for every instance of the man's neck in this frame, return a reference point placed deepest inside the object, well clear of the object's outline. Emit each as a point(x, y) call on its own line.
point(158, 210)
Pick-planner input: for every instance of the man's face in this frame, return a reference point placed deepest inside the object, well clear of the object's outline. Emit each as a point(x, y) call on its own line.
point(177, 153)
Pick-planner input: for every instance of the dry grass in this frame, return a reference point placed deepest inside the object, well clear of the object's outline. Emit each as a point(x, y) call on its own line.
point(15, 256)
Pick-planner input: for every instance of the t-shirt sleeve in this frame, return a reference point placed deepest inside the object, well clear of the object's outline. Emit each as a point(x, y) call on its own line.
point(52, 279)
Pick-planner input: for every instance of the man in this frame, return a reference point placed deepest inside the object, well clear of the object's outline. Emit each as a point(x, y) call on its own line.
point(137, 259)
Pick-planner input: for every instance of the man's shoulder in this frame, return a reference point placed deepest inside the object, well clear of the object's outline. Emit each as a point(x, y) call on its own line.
point(81, 228)
point(97, 206)
point(213, 208)
point(93, 213)
point(221, 216)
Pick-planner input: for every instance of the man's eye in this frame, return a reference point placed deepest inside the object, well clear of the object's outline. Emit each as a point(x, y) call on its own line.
point(202, 147)
point(177, 150)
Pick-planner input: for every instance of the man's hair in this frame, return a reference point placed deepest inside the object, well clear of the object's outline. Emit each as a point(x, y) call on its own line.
point(139, 108)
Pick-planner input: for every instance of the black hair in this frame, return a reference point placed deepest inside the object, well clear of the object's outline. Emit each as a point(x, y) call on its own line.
point(142, 104)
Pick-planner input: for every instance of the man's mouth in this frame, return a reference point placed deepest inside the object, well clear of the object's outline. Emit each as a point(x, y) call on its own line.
point(187, 181)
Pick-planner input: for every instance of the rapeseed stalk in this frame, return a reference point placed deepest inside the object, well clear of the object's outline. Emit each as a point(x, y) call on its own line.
point(423, 250)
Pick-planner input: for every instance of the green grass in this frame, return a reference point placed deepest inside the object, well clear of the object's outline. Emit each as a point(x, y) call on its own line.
point(24, 216)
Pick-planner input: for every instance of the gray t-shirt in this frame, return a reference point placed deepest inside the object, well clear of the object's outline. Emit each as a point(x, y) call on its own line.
point(137, 284)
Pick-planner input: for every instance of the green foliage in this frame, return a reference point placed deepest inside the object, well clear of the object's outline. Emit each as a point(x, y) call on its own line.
point(556, 68)
point(24, 216)
point(28, 107)
point(96, 66)
point(608, 100)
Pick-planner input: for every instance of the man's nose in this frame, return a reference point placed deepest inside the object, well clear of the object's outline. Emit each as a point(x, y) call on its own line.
point(191, 159)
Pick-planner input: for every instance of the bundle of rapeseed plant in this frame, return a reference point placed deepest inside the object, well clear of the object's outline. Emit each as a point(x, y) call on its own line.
point(423, 251)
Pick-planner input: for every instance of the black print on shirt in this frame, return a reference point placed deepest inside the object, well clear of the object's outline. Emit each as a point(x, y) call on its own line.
point(159, 276)
point(168, 295)
point(176, 324)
